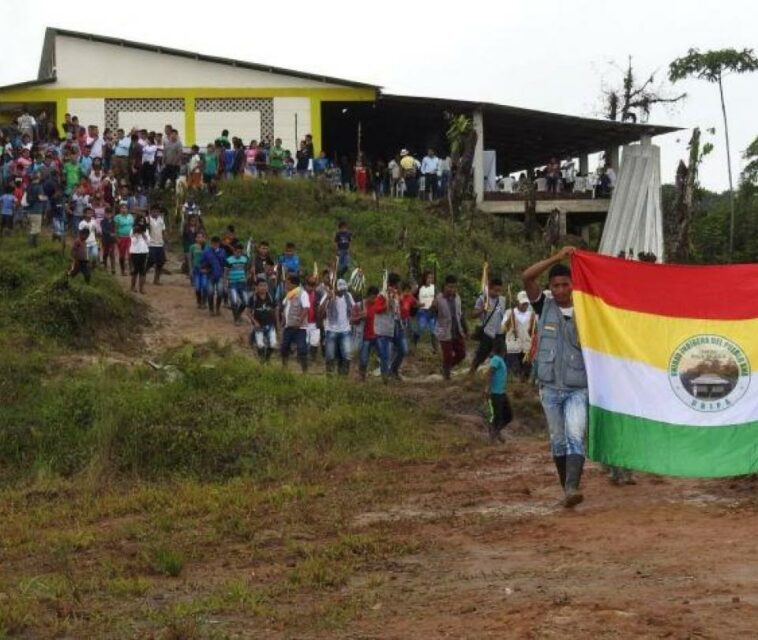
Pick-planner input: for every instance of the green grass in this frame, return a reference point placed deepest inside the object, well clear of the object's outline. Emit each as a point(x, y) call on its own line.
point(383, 232)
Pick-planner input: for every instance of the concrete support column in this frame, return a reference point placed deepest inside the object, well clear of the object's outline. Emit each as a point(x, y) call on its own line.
point(584, 164)
point(586, 233)
point(479, 156)
point(612, 157)
point(646, 140)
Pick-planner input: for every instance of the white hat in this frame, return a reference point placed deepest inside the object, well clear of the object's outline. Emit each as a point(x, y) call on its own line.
point(522, 298)
point(341, 285)
point(404, 152)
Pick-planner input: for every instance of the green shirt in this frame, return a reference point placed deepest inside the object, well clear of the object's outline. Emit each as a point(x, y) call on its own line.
point(72, 173)
point(210, 167)
point(196, 255)
point(237, 266)
point(276, 157)
point(124, 223)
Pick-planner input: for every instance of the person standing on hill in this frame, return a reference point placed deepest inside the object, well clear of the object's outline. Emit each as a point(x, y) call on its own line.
point(157, 251)
point(108, 240)
point(138, 249)
point(451, 326)
point(337, 311)
point(342, 240)
point(425, 318)
point(388, 326)
point(295, 316)
point(560, 370)
point(199, 273)
point(490, 312)
point(519, 325)
point(124, 222)
point(213, 262)
point(237, 266)
point(263, 318)
point(370, 341)
point(497, 380)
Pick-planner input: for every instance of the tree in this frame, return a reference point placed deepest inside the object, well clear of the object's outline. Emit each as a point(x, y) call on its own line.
point(750, 172)
point(679, 220)
point(633, 102)
point(461, 137)
point(712, 66)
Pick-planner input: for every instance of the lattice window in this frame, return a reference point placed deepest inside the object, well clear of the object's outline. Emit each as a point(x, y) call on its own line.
point(113, 106)
point(265, 106)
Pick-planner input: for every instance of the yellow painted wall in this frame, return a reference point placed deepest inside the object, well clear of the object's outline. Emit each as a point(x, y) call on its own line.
point(49, 93)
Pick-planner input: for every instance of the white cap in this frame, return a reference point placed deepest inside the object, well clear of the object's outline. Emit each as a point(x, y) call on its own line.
point(522, 298)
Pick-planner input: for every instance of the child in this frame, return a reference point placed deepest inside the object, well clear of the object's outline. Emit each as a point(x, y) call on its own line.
point(195, 169)
point(8, 208)
point(189, 231)
point(408, 303)
point(263, 319)
point(108, 240)
point(213, 263)
point(199, 273)
point(342, 240)
point(236, 276)
point(370, 340)
point(289, 261)
point(79, 262)
point(500, 408)
point(89, 223)
point(124, 222)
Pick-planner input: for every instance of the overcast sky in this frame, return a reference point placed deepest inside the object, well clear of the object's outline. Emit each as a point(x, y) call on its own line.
point(550, 55)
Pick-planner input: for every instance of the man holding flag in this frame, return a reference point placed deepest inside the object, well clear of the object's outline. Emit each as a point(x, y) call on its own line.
point(560, 370)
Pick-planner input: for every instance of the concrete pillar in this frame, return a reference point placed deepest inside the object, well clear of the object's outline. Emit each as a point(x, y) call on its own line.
point(479, 156)
point(586, 233)
point(646, 140)
point(612, 157)
point(584, 164)
point(562, 223)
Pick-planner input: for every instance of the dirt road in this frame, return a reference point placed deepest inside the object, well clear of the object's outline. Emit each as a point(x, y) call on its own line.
point(497, 558)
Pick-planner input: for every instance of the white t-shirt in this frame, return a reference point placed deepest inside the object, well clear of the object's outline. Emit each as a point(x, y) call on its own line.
point(342, 324)
point(305, 303)
point(426, 296)
point(140, 242)
point(148, 153)
point(96, 147)
point(92, 226)
point(157, 226)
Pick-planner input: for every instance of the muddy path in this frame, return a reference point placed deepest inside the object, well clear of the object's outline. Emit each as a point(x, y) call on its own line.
point(665, 558)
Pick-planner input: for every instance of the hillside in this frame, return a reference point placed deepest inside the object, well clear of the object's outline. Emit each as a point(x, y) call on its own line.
point(157, 483)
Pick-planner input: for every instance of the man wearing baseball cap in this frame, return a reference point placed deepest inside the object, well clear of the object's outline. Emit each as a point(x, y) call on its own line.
point(518, 325)
point(336, 312)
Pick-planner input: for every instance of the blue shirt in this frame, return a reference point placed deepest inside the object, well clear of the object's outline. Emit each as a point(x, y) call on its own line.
point(291, 263)
point(499, 372)
point(342, 238)
point(213, 260)
point(7, 203)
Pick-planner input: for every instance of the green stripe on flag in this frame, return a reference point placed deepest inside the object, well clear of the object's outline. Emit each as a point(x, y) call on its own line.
point(671, 449)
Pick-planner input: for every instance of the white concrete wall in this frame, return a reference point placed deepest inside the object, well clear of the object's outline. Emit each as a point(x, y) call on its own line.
point(83, 63)
point(152, 120)
point(243, 124)
point(284, 121)
point(89, 110)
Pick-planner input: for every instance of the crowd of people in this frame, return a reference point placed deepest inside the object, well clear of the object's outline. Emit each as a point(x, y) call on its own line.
point(97, 189)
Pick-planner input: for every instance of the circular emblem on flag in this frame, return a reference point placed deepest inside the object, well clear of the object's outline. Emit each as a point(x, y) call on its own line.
point(709, 372)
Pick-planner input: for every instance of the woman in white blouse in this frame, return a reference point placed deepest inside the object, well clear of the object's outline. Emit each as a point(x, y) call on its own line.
point(138, 252)
point(149, 151)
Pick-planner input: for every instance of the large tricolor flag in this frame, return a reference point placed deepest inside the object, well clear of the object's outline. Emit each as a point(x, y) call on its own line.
point(669, 351)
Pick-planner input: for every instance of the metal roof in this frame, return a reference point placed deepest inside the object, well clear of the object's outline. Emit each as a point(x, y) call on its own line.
point(522, 137)
point(46, 72)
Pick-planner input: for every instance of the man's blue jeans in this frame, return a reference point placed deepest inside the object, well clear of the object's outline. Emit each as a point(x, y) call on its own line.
point(397, 346)
point(338, 346)
point(381, 347)
point(566, 413)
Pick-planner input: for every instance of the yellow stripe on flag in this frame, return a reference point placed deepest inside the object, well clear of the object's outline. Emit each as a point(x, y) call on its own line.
point(651, 338)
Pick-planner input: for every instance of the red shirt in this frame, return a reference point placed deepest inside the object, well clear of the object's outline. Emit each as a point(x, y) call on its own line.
point(312, 308)
point(368, 327)
point(406, 304)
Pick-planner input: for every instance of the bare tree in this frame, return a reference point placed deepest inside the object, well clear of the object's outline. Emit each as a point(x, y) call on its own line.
point(633, 101)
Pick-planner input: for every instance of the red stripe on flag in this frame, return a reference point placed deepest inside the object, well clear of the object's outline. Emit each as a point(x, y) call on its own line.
point(717, 292)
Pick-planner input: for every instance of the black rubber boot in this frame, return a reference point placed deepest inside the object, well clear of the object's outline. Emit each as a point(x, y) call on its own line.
point(313, 353)
point(329, 367)
point(435, 344)
point(344, 368)
point(574, 467)
point(560, 465)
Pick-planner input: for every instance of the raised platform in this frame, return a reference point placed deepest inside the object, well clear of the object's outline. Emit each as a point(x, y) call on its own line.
point(513, 203)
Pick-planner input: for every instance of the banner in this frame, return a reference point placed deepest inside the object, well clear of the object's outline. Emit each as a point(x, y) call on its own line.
point(669, 351)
